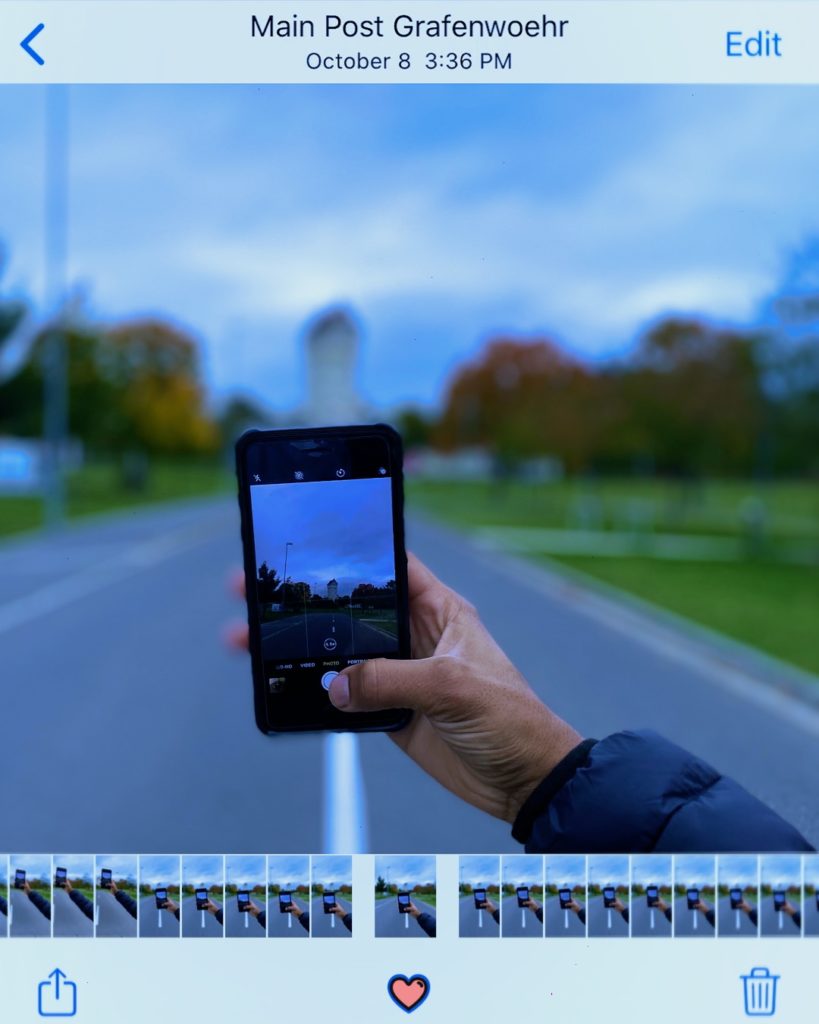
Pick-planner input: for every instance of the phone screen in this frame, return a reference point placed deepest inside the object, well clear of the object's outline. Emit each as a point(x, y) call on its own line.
point(608, 895)
point(480, 897)
point(779, 900)
point(565, 897)
point(19, 878)
point(201, 898)
point(105, 877)
point(161, 897)
point(736, 898)
point(325, 562)
point(523, 894)
point(285, 901)
point(693, 897)
point(243, 899)
point(403, 901)
point(329, 901)
point(652, 894)
point(62, 874)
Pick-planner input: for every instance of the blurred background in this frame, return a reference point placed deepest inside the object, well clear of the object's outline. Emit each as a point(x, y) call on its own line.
point(592, 312)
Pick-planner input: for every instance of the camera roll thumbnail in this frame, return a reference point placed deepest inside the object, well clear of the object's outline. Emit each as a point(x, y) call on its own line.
point(159, 896)
point(326, 569)
point(738, 896)
point(609, 902)
point(331, 906)
point(780, 896)
point(694, 896)
point(288, 896)
point(245, 896)
point(652, 896)
point(405, 897)
point(203, 896)
point(73, 896)
point(479, 896)
point(117, 896)
point(522, 896)
point(565, 896)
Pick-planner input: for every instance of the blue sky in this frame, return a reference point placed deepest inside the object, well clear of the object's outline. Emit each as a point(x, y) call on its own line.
point(35, 865)
point(121, 865)
point(289, 870)
point(737, 870)
point(480, 869)
point(406, 870)
point(245, 870)
point(159, 869)
point(522, 868)
point(781, 869)
point(203, 869)
point(77, 865)
point(568, 868)
point(442, 216)
point(694, 869)
point(331, 871)
point(608, 867)
point(340, 530)
point(651, 869)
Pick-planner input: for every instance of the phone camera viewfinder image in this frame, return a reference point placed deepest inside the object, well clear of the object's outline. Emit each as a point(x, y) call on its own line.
point(60, 877)
point(161, 894)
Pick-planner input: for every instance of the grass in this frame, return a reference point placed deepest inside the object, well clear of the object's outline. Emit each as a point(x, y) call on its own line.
point(98, 487)
point(764, 600)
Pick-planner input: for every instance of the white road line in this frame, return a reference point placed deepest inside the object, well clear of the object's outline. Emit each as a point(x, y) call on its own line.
point(662, 639)
point(344, 815)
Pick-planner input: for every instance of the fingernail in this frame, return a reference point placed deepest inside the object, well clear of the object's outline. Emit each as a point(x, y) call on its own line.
point(340, 691)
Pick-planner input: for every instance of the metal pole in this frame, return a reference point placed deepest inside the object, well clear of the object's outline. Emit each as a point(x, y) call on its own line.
point(55, 356)
point(288, 545)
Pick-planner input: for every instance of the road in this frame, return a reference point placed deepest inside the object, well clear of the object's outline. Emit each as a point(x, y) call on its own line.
point(235, 927)
point(469, 918)
point(389, 924)
point(198, 924)
point(328, 926)
point(139, 702)
point(641, 921)
point(69, 921)
point(149, 918)
point(727, 922)
point(811, 919)
point(519, 922)
point(285, 926)
point(26, 920)
point(684, 920)
point(113, 920)
point(323, 634)
point(769, 922)
point(598, 921)
point(557, 920)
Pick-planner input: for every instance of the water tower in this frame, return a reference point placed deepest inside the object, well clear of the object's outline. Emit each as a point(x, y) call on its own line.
point(332, 348)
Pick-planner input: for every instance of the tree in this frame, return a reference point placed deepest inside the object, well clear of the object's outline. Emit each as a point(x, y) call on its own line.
point(380, 885)
point(268, 584)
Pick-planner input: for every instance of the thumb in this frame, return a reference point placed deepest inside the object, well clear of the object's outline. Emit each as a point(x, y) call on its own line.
point(388, 683)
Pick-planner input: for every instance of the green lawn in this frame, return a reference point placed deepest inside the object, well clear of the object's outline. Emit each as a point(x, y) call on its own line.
point(99, 488)
point(765, 599)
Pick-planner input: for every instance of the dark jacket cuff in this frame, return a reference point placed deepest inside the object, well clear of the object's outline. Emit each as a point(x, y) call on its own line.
point(540, 798)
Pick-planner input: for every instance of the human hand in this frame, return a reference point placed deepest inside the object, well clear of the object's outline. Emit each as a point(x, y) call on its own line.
point(338, 909)
point(575, 907)
point(788, 908)
point(67, 886)
point(478, 728)
point(294, 909)
point(533, 905)
point(619, 906)
point(414, 910)
point(253, 908)
point(212, 908)
point(26, 888)
point(170, 906)
point(112, 886)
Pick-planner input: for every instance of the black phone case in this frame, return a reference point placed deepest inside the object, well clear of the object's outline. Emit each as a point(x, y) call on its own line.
point(374, 721)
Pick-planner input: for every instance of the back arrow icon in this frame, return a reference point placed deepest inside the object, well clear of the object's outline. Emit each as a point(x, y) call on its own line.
point(25, 44)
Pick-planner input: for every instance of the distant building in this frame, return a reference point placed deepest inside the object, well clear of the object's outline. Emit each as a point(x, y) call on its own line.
point(332, 590)
point(332, 351)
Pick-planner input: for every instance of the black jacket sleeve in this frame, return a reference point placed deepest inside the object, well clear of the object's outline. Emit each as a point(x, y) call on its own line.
point(40, 903)
point(427, 923)
point(304, 920)
point(348, 921)
point(753, 916)
point(496, 916)
point(711, 916)
point(82, 903)
point(126, 901)
point(637, 792)
point(667, 913)
point(796, 917)
point(582, 915)
point(220, 916)
point(539, 914)
point(261, 917)
point(4, 907)
point(624, 914)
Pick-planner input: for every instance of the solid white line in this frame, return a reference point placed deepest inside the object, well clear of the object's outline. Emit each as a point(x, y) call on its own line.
point(662, 639)
point(344, 815)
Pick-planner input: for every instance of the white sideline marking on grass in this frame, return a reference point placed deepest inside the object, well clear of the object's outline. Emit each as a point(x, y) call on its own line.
point(133, 560)
point(662, 639)
point(344, 815)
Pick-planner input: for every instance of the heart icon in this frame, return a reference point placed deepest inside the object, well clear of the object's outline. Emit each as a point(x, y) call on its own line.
point(408, 993)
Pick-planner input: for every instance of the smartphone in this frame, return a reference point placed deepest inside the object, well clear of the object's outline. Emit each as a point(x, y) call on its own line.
point(161, 894)
point(736, 898)
point(522, 892)
point(243, 901)
point(329, 902)
point(652, 895)
point(202, 899)
point(565, 897)
point(693, 897)
point(60, 876)
point(286, 902)
point(323, 539)
point(404, 903)
point(19, 878)
point(779, 898)
point(609, 896)
point(480, 898)
point(105, 878)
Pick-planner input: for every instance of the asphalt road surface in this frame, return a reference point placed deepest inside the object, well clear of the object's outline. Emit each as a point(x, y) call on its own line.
point(69, 920)
point(113, 920)
point(112, 655)
point(641, 921)
point(321, 635)
point(598, 921)
point(727, 922)
point(26, 920)
point(513, 918)
point(198, 924)
point(278, 923)
point(556, 919)
point(323, 925)
point(389, 924)
point(811, 917)
point(769, 922)
point(235, 927)
point(149, 921)
point(684, 920)
point(468, 917)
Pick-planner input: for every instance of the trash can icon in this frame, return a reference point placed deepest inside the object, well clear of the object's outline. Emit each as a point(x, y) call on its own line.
point(760, 992)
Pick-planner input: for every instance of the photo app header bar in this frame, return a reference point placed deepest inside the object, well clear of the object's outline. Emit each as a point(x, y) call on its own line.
point(390, 41)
